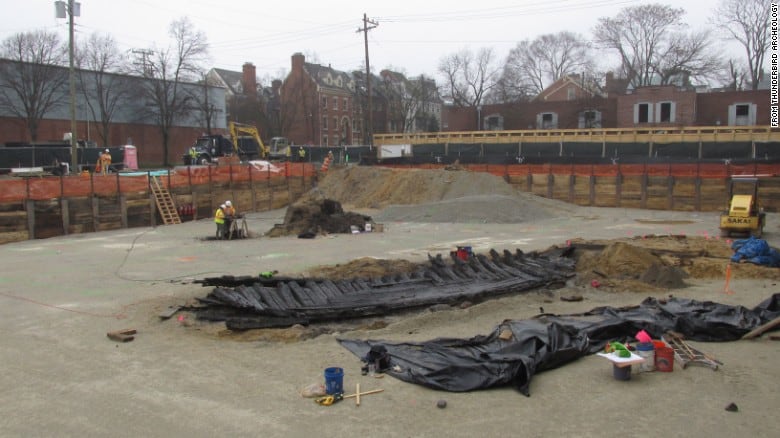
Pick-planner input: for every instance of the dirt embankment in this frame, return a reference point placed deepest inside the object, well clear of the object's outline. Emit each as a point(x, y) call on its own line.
point(424, 195)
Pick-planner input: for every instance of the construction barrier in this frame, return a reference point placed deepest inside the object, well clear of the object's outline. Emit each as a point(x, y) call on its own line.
point(52, 187)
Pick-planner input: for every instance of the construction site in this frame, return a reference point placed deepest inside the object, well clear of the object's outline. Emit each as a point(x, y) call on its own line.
point(490, 289)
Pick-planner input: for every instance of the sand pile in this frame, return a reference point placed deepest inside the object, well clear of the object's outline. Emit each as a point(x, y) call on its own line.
point(424, 195)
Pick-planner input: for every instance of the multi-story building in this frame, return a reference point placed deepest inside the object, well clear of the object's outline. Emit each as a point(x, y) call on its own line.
point(318, 105)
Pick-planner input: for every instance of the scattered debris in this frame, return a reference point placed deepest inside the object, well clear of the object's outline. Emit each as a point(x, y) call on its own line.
point(169, 312)
point(572, 298)
point(732, 407)
point(124, 335)
point(313, 390)
point(441, 404)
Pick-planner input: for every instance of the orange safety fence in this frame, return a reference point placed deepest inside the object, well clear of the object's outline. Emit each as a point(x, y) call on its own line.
point(52, 187)
point(680, 170)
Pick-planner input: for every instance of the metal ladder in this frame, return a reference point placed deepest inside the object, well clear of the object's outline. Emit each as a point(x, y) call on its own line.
point(685, 354)
point(164, 201)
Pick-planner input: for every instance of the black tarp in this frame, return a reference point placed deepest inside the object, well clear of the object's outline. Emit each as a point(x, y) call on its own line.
point(549, 341)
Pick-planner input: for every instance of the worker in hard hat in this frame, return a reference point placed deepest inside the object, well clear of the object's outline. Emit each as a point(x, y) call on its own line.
point(105, 162)
point(230, 210)
point(230, 216)
point(219, 219)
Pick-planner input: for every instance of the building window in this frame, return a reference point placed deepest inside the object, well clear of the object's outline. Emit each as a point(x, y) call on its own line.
point(546, 121)
point(344, 104)
point(325, 122)
point(335, 123)
point(643, 113)
point(494, 123)
point(665, 112)
point(335, 103)
point(324, 102)
point(742, 114)
point(589, 119)
point(571, 93)
point(324, 139)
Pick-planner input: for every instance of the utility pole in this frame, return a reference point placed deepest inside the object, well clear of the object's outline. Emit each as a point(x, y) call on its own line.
point(146, 65)
point(73, 9)
point(370, 124)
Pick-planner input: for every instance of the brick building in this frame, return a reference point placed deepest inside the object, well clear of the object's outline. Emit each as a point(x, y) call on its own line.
point(666, 105)
point(318, 105)
point(567, 105)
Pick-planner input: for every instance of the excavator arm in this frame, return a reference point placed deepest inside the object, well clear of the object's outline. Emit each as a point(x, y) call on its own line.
point(237, 129)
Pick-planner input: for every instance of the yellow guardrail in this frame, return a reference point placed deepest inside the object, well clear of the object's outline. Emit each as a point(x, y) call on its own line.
point(691, 134)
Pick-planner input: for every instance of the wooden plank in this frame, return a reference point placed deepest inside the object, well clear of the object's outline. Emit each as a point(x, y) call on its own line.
point(760, 330)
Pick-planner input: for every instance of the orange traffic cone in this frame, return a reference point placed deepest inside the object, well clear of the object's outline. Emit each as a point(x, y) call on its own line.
point(727, 288)
point(325, 164)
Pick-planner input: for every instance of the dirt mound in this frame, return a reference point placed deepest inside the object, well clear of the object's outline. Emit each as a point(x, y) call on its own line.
point(433, 195)
point(310, 217)
point(366, 267)
point(651, 262)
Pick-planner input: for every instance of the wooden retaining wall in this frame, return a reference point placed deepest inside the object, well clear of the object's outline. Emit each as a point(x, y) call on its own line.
point(43, 218)
point(642, 191)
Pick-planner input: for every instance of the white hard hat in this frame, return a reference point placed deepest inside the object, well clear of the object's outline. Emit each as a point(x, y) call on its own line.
point(228, 203)
point(106, 150)
point(222, 206)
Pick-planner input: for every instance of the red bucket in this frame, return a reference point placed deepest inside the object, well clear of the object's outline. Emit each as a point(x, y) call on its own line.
point(664, 359)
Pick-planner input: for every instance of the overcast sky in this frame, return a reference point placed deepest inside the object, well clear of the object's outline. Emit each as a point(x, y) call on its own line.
point(412, 36)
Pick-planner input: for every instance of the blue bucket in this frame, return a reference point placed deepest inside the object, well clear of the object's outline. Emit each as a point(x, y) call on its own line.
point(334, 380)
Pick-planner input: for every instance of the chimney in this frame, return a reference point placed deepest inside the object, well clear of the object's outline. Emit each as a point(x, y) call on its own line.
point(249, 79)
point(297, 61)
point(609, 81)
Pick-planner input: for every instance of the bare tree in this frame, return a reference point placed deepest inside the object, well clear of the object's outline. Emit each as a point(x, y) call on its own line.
point(165, 72)
point(469, 76)
point(747, 21)
point(533, 65)
point(733, 75)
point(687, 54)
point(651, 45)
point(32, 80)
point(205, 105)
point(100, 80)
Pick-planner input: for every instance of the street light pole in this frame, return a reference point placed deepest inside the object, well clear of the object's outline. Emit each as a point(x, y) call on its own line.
point(74, 160)
point(72, 9)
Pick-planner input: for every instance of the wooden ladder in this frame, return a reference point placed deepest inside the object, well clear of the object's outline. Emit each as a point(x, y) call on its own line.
point(165, 204)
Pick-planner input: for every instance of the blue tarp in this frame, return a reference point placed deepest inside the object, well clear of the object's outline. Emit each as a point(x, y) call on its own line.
point(756, 251)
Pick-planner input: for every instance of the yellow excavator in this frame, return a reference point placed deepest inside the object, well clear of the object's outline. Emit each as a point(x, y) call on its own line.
point(744, 215)
point(242, 142)
point(239, 131)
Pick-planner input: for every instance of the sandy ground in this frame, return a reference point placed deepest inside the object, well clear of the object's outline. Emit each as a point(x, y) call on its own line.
point(179, 377)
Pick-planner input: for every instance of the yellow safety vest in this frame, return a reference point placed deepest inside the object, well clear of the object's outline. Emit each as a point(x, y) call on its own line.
point(219, 216)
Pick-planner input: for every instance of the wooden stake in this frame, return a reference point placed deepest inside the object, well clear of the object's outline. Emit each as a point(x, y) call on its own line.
point(357, 394)
point(373, 391)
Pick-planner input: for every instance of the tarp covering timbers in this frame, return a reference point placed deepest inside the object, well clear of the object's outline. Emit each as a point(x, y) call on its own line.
point(257, 302)
point(518, 349)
